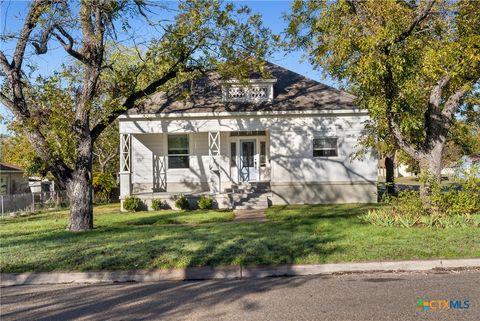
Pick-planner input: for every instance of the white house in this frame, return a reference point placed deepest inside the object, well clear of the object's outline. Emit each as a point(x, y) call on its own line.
point(283, 140)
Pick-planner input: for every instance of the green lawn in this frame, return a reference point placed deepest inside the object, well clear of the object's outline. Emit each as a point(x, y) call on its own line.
point(166, 239)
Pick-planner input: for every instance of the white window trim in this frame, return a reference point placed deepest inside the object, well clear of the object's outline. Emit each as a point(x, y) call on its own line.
point(336, 149)
point(249, 95)
point(168, 155)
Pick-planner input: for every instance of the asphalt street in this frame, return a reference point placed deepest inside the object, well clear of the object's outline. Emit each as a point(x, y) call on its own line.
point(376, 296)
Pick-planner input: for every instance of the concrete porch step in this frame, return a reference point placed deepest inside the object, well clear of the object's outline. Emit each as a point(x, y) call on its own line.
point(250, 187)
point(251, 202)
point(240, 197)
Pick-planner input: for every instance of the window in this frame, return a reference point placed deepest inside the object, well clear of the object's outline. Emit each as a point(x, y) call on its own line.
point(249, 133)
point(233, 154)
point(256, 91)
point(325, 147)
point(263, 154)
point(178, 154)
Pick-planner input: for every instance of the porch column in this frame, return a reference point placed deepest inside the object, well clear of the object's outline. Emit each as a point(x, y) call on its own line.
point(159, 173)
point(125, 168)
point(214, 164)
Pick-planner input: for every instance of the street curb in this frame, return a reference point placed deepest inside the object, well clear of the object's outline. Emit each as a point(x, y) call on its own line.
point(312, 269)
point(228, 272)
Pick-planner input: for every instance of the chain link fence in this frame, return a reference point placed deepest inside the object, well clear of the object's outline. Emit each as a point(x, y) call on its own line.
point(33, 202)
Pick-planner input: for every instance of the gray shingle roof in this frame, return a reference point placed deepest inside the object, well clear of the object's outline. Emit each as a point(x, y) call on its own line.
point(10, 168)
point(292, 92)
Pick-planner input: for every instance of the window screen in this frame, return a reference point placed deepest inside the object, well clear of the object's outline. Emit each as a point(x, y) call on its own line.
point(178, 152)
point(325, 147)
point(233, 154)
point(263, 154)
point(249, 133)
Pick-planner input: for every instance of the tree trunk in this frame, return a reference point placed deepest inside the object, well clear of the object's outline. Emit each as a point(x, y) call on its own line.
point(389, 175)
point(80, 195)
point(80, 191)
point(430, 171)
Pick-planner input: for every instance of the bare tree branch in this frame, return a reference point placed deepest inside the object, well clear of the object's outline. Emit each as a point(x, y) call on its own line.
point(357, 8)
point(18, 105)
point(98, 20)
point(36, 10)
point(436, 93)
point(4, 62)
point(131, 100)
point(86, 20)
point(150, 89)
point(391, 87)
point(453, 102)
point(7, 102)
point(69, 46)
point(402, 143)
point(41, 43)
point(433, 122)
point(359, 11)
point(92, 50)
point(416, 21)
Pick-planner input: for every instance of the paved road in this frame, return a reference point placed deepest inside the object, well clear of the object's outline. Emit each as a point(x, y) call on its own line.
point(336, 297)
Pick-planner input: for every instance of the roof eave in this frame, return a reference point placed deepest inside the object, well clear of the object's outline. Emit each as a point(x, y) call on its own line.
point(324, 112)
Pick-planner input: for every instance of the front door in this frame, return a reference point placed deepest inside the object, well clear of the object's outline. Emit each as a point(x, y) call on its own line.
point(248, 170)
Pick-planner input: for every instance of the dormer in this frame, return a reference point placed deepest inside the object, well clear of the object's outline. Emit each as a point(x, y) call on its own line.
point(253, 91)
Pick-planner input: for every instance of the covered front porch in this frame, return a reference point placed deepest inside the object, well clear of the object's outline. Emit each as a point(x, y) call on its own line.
point(218, 163)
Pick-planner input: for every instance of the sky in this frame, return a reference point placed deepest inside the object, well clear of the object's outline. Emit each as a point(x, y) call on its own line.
point(12, 12)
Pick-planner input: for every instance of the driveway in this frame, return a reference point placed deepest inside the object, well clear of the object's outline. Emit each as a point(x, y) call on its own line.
point(391, 296)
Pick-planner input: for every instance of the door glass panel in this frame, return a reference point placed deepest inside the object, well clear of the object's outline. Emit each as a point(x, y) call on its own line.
point(247, 156)
point(248, 153)
point(263, 154)
point(233, 154)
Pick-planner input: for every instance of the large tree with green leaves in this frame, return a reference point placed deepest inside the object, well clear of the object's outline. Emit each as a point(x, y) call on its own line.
point(411, 63)
point(108, 73)
point(17, 150)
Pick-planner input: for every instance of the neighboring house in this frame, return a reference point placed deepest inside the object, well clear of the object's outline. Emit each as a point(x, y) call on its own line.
point(283, 140)
point(40, 185)
point(12, 180)
point(399, 170)
point(467, 163)
point(449, 170)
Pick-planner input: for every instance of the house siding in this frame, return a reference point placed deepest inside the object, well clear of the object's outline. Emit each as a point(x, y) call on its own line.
point(292, 152)
point(296, 176)
point(192, 179)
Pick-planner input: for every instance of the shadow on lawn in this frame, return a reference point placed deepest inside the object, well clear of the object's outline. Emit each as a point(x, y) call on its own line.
point(146, 301)
point(31, 217)
point(342, 211)
point(137, 247)
point(181, 217)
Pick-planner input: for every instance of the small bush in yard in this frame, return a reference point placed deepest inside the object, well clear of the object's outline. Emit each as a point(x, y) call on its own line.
point(158, 204)
point(456, 206)
point(102, 185)
point(182, 202)
point(131, 203)
point(205, 202)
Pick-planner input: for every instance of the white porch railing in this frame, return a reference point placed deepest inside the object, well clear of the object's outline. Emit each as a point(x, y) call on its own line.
point(159, 173)
point(125, 165)
point(214, 164)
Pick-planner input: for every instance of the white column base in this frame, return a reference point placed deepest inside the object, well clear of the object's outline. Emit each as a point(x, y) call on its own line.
point(125, 184)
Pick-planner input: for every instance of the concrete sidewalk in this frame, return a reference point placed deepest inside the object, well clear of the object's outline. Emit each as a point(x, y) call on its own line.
point(229, 272)
point(257, 215)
